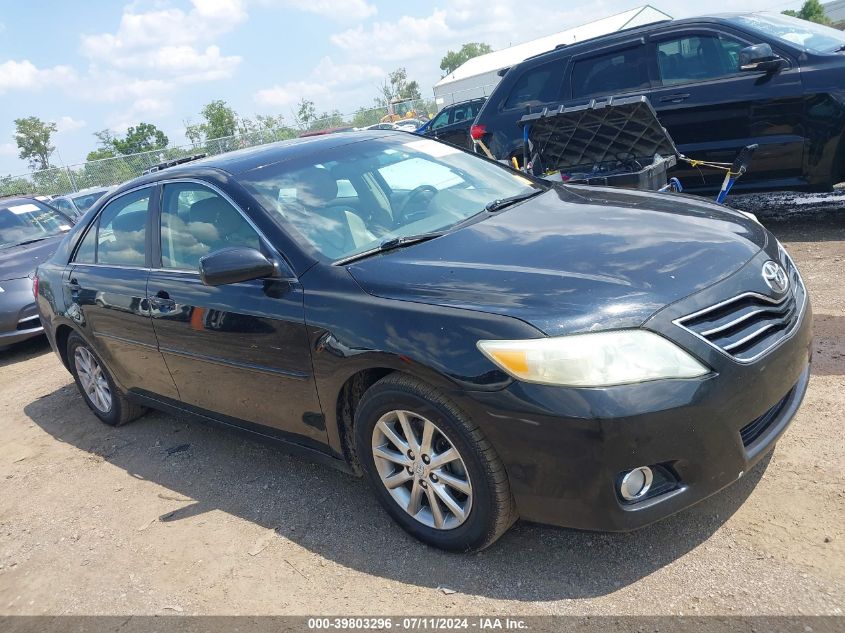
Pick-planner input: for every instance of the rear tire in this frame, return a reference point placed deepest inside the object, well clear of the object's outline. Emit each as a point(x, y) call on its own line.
point(447, 463)
point(96, 385)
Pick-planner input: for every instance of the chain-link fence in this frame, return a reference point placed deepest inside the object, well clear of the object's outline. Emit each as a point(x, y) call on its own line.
point(113, 171)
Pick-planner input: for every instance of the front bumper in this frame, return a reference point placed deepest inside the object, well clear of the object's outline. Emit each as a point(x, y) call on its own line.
point(565, 449)
point(18, 313)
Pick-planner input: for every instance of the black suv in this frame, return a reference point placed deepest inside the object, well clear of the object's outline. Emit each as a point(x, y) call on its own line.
point(452, 123)
point(717, 83)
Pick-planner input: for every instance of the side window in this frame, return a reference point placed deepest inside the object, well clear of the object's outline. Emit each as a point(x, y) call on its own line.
point(537, 85)
point(612, 73)
point(462, 113)
point(691, 58)
point(196, 221)
point(64, 206)
point(122, 228)
point(87, 251)
point(441, 120)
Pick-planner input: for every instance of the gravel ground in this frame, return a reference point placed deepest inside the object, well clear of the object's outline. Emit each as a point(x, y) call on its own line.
point(168, 516)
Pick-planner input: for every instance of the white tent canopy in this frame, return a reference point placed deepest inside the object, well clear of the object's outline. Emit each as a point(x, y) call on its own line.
point(478, 76)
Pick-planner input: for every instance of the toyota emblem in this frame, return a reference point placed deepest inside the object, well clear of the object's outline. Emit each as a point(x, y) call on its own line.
point(775, 276)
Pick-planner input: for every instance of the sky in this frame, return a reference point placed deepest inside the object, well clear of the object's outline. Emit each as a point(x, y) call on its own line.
point(109, 64)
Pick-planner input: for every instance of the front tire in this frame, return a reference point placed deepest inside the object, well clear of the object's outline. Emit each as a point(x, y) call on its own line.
point(431, 468)
point(96, 385)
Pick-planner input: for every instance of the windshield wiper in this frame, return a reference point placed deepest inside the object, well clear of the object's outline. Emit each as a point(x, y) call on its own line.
point(501, 203)
point(392, 244)
point(32, 241)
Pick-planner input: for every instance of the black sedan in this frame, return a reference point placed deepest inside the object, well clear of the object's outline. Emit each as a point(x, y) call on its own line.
point(480, 345)
point(29, 233)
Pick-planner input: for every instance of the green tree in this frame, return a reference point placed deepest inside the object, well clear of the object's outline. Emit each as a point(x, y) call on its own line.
point(327, 120)
point(306, 113)
point(452, 60)
point(220, 120)
point(365, 117)
point(397, 86)
point(145, 137)
point(811, 10)
point(33, 138)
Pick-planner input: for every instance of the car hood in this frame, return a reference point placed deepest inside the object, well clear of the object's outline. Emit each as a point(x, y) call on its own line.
point(572, 259)
point(21, 261)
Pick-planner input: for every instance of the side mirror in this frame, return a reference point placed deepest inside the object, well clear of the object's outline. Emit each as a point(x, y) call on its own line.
point(233, 265)
point(759, 57)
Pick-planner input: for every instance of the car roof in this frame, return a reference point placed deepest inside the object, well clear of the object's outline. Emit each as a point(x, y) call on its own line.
point(242, 160)
point(720, 18)
point(5, 200)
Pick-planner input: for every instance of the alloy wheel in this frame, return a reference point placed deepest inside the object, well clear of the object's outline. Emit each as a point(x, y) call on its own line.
point(92, 379)
point(422, 470)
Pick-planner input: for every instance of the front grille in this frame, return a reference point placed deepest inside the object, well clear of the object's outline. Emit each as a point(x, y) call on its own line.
point(751, 431)
point(748, 326)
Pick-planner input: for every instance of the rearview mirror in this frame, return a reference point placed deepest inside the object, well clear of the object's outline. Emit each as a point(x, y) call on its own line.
point(759, 57)
point(233, 265)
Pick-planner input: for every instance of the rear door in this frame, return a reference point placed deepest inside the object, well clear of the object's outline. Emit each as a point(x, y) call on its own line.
point(240, 350)
point(107, 283)
point(712, 109)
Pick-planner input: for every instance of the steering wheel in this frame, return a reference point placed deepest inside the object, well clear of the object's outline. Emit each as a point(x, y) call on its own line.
point(416, 193)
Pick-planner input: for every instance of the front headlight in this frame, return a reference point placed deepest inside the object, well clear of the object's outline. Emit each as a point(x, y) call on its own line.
point(597, 359)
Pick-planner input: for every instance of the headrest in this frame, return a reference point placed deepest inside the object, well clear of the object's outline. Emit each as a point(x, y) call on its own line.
point(215, 211)
point(314, 186)
point(128, 222)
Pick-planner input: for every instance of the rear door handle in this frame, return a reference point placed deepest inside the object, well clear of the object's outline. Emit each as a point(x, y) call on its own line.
point(73, 285)
point(675, 98)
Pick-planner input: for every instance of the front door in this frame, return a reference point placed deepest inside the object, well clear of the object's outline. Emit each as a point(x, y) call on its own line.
point(712, 109)
point(107, 285)
point(240, 350)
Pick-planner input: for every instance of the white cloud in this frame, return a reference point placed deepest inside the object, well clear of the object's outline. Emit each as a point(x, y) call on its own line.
point(24, 75)
point(143, 109)
point(405, 38)
point(69, 124)
point(169, 41)
point(341, 10)
point(324, 84)
point(8, 149)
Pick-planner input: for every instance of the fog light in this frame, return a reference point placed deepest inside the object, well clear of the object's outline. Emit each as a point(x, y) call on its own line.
point(636, 483)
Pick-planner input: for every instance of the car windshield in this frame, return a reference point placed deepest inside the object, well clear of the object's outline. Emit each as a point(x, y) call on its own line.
point(350, 199)
point(810, 36)
point(27, 220)
point(84, 201)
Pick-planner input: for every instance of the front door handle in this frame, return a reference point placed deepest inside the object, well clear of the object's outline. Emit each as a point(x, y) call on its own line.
point(162, 301)
point(678, 97)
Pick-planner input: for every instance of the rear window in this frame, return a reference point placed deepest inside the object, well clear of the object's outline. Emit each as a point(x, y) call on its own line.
point(612, 73)
point(537, 85)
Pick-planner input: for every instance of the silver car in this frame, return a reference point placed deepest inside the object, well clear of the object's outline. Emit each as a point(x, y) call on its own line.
point(30, 231)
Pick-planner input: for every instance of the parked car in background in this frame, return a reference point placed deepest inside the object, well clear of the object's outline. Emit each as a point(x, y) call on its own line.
point(406, 125)
point(409, 125)
point(452, 123)
point(717, 83)
point(76, 204)
point(29, 233)
point(480, 344)
point(381, 126)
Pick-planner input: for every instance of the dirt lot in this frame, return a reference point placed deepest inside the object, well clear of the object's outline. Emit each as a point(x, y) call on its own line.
point(168, 516)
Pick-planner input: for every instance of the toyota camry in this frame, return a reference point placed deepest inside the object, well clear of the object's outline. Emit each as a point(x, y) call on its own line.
point(479, 345)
